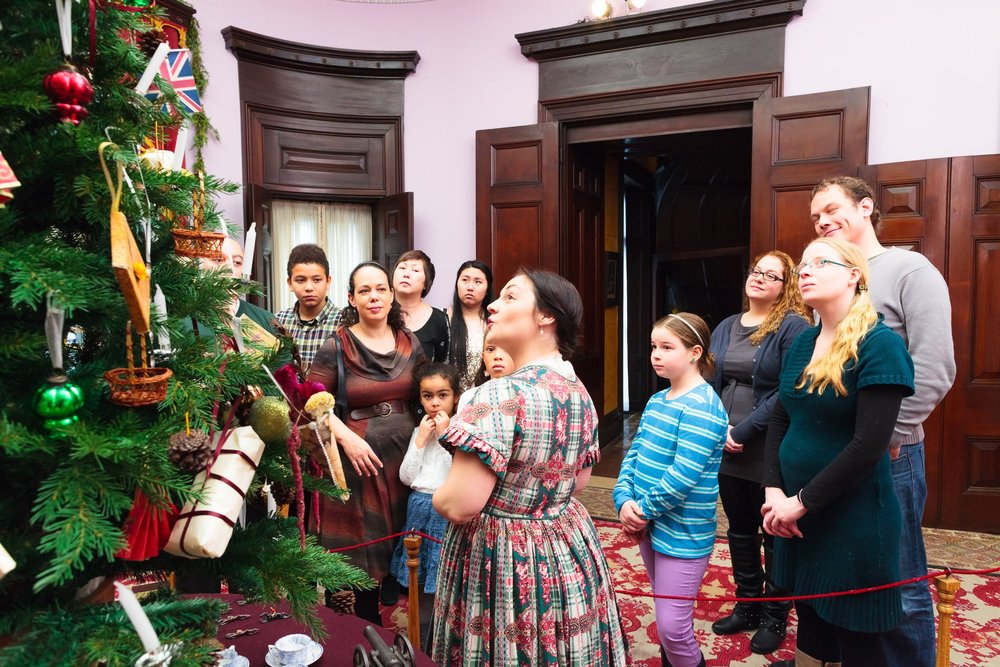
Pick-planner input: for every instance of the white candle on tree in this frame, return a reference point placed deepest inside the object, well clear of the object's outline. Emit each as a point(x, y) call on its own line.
point(128, 601)
point(249, 249)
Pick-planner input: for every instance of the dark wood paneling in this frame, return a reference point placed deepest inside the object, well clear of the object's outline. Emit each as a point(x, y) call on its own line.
point(724, 56)
point(680, 24)
point(971, 469)
point(279, 53)
point(392, 228)
point(584, 261)
point(517, 198)
point(913, 200)
point(308, 154)
point(319, 122)
point(654, 128)
point(797, 142)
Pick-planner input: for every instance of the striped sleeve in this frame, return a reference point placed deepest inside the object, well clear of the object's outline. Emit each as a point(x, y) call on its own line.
point(699, 430)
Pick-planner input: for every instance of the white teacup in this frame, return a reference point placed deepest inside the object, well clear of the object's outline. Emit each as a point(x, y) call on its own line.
point(292, 649)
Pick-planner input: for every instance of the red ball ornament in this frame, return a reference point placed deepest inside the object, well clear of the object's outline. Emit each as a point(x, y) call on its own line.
point(70, 91)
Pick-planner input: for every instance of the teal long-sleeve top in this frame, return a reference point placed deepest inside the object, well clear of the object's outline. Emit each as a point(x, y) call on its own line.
point(672, 470)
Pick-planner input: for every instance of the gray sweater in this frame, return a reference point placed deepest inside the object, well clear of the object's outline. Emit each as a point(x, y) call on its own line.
point(913, 297)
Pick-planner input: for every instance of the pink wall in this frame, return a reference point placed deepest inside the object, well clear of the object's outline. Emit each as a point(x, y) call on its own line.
point(472, 76)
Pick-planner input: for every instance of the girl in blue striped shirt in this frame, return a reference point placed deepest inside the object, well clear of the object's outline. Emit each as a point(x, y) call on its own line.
point(669, 481)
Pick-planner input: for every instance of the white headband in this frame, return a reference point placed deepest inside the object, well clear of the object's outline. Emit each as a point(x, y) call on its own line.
point(689, 326)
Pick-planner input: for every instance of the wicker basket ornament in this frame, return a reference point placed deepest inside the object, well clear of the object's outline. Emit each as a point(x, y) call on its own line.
point(195, 242)
point(133, 386)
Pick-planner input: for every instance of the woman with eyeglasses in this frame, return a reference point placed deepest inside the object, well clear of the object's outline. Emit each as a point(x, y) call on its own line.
point(829, 498)
point(750, 348)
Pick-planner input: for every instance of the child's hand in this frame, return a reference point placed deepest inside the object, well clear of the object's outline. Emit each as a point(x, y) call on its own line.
point(634, 538)
point(441, 421)
point(631, 517)
point(426, 431)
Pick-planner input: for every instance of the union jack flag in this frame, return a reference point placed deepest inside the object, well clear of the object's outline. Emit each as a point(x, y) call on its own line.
point(176, 70)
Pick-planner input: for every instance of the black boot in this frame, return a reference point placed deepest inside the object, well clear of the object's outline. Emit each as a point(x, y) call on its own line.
point(666, 663)
point(749, 576)
point(774, 616)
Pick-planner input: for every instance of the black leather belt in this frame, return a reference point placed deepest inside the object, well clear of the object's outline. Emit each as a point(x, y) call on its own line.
point(378, 410)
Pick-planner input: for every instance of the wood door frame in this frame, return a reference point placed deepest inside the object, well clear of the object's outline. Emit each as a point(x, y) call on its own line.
point(704, 106)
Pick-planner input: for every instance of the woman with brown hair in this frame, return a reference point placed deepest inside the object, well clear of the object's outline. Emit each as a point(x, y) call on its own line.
point(412, 278)
point(750, 349)
point(523, 579)
point(377, 355)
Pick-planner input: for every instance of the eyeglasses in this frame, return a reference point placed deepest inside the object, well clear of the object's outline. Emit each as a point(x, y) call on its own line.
point(767, 276)
point(818, 263)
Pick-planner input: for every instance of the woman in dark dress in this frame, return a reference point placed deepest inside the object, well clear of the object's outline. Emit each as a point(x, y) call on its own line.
point(412, 278)
point(829, 498)
point(750, 348)
point(467, 315)
point(379, 356)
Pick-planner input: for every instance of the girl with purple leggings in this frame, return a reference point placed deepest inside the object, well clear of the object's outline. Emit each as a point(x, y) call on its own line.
point(668, 485)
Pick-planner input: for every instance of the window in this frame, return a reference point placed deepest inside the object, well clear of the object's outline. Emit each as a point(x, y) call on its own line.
point(344, 231)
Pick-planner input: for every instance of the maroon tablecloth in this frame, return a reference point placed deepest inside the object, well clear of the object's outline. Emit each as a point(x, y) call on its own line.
point(345, 632)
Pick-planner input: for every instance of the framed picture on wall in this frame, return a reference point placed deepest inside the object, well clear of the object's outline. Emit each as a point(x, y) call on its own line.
point(612, 283)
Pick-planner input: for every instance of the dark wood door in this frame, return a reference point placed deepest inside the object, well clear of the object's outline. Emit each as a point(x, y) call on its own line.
point(913, 200)
point(797, 142)
point(640, 214)
point(971, 466)
point(583, 262)
point(392, 228)
point(517, 198)
point(259, 205)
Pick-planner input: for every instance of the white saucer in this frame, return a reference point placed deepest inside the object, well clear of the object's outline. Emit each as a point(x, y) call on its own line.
point(313, 654)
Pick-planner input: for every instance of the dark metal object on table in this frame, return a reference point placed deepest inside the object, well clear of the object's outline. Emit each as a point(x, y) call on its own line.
point(230, 619)
point(272, 615)
point(242, 633)
point(400, 654)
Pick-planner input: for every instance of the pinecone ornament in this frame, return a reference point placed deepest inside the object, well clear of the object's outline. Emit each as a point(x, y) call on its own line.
point(149, 41)
point(191, 452)
point(341, 602)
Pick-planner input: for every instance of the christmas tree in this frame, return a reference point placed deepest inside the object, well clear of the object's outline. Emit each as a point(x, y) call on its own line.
point(89, 482)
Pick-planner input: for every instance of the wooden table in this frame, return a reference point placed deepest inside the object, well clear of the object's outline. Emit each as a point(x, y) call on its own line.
point(344, 633)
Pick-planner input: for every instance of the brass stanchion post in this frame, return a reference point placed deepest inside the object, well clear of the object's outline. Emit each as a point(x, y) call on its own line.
point(947, 586)
point(412, 545)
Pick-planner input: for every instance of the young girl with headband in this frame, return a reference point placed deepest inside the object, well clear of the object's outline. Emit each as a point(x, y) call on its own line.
point(668, 485)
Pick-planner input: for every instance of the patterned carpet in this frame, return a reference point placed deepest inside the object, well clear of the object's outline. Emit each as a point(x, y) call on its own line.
point(975, 624)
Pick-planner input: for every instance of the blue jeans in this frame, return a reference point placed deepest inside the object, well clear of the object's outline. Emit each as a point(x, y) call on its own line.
point(912, 643)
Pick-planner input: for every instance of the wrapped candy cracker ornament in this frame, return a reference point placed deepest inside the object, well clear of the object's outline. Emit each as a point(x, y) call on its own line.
point(203, 529)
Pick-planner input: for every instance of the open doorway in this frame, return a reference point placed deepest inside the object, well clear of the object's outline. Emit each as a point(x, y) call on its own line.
point(684, 232)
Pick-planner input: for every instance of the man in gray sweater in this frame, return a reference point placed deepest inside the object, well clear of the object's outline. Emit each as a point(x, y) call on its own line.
point(913, 298)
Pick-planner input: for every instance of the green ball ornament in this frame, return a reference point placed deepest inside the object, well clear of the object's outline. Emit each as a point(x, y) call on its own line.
point(269, 419)
point(58, 401)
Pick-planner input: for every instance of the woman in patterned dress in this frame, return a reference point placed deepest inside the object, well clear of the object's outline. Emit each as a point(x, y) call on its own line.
point(379, 356)
point(473, 292)
point(523, 579)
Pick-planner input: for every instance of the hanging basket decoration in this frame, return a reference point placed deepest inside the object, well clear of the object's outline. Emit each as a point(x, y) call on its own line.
point(195, 242)
point(133, 387)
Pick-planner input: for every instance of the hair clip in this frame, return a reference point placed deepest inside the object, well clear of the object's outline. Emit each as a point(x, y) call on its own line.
point(231, 619)
point(242, 633)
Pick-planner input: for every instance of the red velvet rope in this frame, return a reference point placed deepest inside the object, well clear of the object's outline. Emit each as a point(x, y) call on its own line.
point(813, 596)
point(383, 539)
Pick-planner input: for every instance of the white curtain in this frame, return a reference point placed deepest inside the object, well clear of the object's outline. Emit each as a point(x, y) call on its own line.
point(344, 231)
